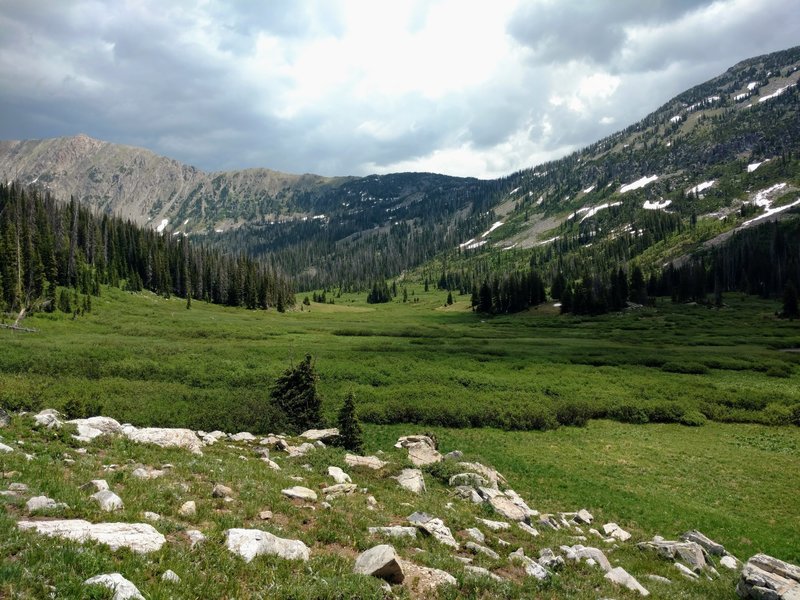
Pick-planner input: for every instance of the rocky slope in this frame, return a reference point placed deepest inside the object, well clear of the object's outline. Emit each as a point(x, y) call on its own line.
point(151, 512)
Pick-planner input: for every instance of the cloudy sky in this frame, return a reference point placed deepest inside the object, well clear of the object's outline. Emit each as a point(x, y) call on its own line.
point(463, 87)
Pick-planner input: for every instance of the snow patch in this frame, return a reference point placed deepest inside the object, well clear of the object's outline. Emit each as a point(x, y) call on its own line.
point(740, 97)
point(752, 85)
point(545, 242)
point(492, 228)
point(597, 209)
point(775, 94)
point(218, 230)
point(676, 119)
point(702, 186)
point(761, 199)
point(656, 205)
point(474, 245)
point(514, 191)
point(639, 183)
point(589, 189)
point(186, 221)
point(753, 166)
point(163, 225)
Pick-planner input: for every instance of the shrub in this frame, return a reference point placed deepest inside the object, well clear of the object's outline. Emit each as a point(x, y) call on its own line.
point(629, 413)
point(781, 370)
point(795, 414)
point(778, 414)
point(693, 418)
point(572, 413)
point(665, 412)
point(687, 368)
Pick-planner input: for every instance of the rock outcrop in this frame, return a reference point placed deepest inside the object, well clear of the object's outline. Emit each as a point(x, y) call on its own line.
point(138, 537)
point(249, 543)
point(766, 578)
point(380, 561)
point(122, 588)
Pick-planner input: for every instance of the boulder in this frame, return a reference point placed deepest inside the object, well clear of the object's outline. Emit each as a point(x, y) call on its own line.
point(616, 532)
point(493, 477)
point(508, 509)
point(188, 509)
point(434, 527)
point(338, 475)
point(409, 440)
point(43, 503)
point(370, 462)
point(299, 492)
point(49, 418)
point(339, 489)
point(423, 581)
point(108, 500)
point(412, 480)
point(396, 531)
point(243, 436)
point(766, 578)
point(422, 454)
point(146, 473)
point(249, 543)
point(164, 437)
point(5, 449)
point(494, 525)
point(468, 492)
point(380, 561)
point(138, 537)
point(710, 545)
point(532, 568)
point(170, 576)
point(579, 552)
point(517, 499)
point(549, 560)
point(729, 562)
point(298, 451)
point(690, 552)
point(321, 435)
point(472, 480)
point(221, 491)
point(478, 549)
point(93, 427)
point(620, 576)
point(195, 537)
point(122, 588)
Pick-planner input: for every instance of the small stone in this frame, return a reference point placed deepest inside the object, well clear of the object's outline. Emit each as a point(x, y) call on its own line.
point(372, 504)
point(195, 537)
point(382, 562)
point(454, 455)
point(494, 525)
point(476, 534)
point(686, 571)
point(615, 531)
point(478, 549)
point(710, 545)
point(659, 579)
point(5, 449)
point(584, 516)
point(145, 473)
point(338, 475)
point(108, 500)
point(249, 543)
point(411, 480)
point(221, 491)
point(243, 436)
point(370, 462)
point(395, 531)
point(549, 560)
point(151, 516)
point(729, 562)
point(300, 493)
point(322, 435)
point(170, 576)
point(265, 515)
point(508, 509)
point(122, 588)
point(621, 577)
point(43, 503)
point(528, 529)
point(188, 509)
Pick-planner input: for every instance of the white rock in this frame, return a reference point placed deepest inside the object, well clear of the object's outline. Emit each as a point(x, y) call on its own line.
point(195, 537)
point(221, 491)
point(621, 577)
point(6, 449)
point(686, 571)
point(243, 436)
point(271, 464)
point(578, 552)
point(435, 527)
point(301, 450)
point(338, 475)
point(43, 503)
point(494, 525)
point(481, 572)
point(171, 576)
point(617, 532)
point(139, 537)
point(339, 489)
point(371, 462)
point(508, 509)
point(490, 474)
point(412, 480)
point(300, 492)
point(99, 485)
point(729, 562)
point(164, 437)
point(108, 500)
point(659, 579)
point(188, 509)
point(528, 529)
point(532, 568)
point(422, 454)
point(122, 588)
point(479, 549)
point(397, 531)
point(409, 440)
point(476, 534)
point(425, 580)
point(320, 435)
point(146, 473)
point(249, 543)
point(93, 427)
point(380, 561)
point(49, 418)
point(584, 516)
point(151, 516)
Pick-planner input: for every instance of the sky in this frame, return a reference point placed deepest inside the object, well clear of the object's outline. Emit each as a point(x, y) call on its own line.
point(335, 87)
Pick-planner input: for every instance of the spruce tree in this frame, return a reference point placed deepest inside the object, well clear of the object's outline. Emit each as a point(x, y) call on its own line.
point(790, 305)
point(349, 426)
point(295, 396)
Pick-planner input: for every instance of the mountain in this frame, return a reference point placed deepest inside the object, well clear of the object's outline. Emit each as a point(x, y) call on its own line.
point(719, 156)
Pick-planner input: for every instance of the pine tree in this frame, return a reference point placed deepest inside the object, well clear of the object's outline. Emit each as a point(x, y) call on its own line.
point(790, 306)
point(449, 298)
point(295, 396)
point(352, 437)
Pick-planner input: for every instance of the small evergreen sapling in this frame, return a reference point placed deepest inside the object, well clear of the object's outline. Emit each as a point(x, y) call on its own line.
point(295, 396)
point(352, 437)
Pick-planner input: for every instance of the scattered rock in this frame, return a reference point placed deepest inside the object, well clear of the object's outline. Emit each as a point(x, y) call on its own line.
point(321, 435)
point(476, 534)
point(370, 462)
point(492, 476)
point(729, 562)
point(265, 515)
point(467, 492)
point(691, 552)
point(454, 455)
point(549, 560)
point(151, 516)
point(412, 480)
point(380, 561)
point(108, 500)
point(195, 537)
point(422, 454)
point(170, 576)
point(508, 509)
point(584, 516)
point(49, 418)
point(139, 537)
point(532, 568)
point(146, 473)
point(6, 449)
point(579, 552)
point(517, 499)
point(93, 427)
point(710, 545)
point(478, 549)
point(435, 527)
point(338, 475)
point(339, 489)
point(397, 531)
point(686, 571)
point(472, 480)
point(43, 503)
point(5, 418)
point(494, 525)
point(122, 588)
point(188, 509)
point(617, 532)
point(243, 436)
point(221, 491)
point(164, 437)
point(423, 581)
point(766, 578)
point(659, 579)
point(298, 451)
point(300, 492)
point(481, 572)
point(249, 543)
point(621, 577)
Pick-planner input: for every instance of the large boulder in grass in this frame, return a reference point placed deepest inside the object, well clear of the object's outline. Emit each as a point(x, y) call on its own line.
point(122, 588)
point(249, 543)
point(412, 480)
point(370, 462)
point(766, 578)
point(321, 435)
point(620, 576)
point(380, 561)
point(138, 537)
point(690, 552)
point(93, 427)
point(49, 418)
point(165, 437)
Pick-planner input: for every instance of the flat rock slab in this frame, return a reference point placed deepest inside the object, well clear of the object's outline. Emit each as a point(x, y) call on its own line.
point(710, 545)
point(122, 588)
point(382, 562)
point(422, 454)
point(370, 462)
point(165, 437)
point(320, 435)
point(434, 527)
point(299, 492)
point(93, 427)
point(397, 531)
point(494, 525)
point(766, 578)
point(621, 577)
point(505, 507)
point(138, 537)
point(411, 480)
point(249, 543)
point(423, 581)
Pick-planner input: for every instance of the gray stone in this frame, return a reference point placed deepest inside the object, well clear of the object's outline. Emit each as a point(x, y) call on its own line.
point(494, 525)
point(659, 579)
point(528, 529)
point(164, 437)
point(397, 531)
point(478, 549)
point(621, 577)
point(195, 537)
point(493, 477)
point(508, 509)
point(476, 534)
point(49, 418)
point(481, 572)
point(584, 516)
point(468, 479)
point(43, 503)
point(299, 492)
point(170, 576)
point(108, 500)
point(616, 532)
point(301, 450)
point(423, 581)
point(339, 489)
point(151, 516)
point(380, 561)
point(766, 578)
point(221, 491)
point(5, 449)
point(122, 588)
point(729, 562)
point(435, 527)
point(98, 485)
point(89, 429)
point(188, 509)
point(411, 480)
point(5, 418)
point(409, 440)
point(321, 435)
point(549, 560)
point(146, 473)
point(467, 492)
point(710, 545)
point(370, 462)
point(249, 543)
point(138, 537)
point(271, 464)
point(690, 552)
point(338, 475)
point(454, 455)
point(686, 571)
point(579, 552)
point(532, 568)
point(243, 436)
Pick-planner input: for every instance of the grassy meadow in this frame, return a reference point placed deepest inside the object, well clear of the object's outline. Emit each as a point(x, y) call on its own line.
point(495, 388)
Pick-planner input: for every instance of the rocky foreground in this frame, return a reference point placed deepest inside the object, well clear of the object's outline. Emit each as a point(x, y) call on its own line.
point(410, 521)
